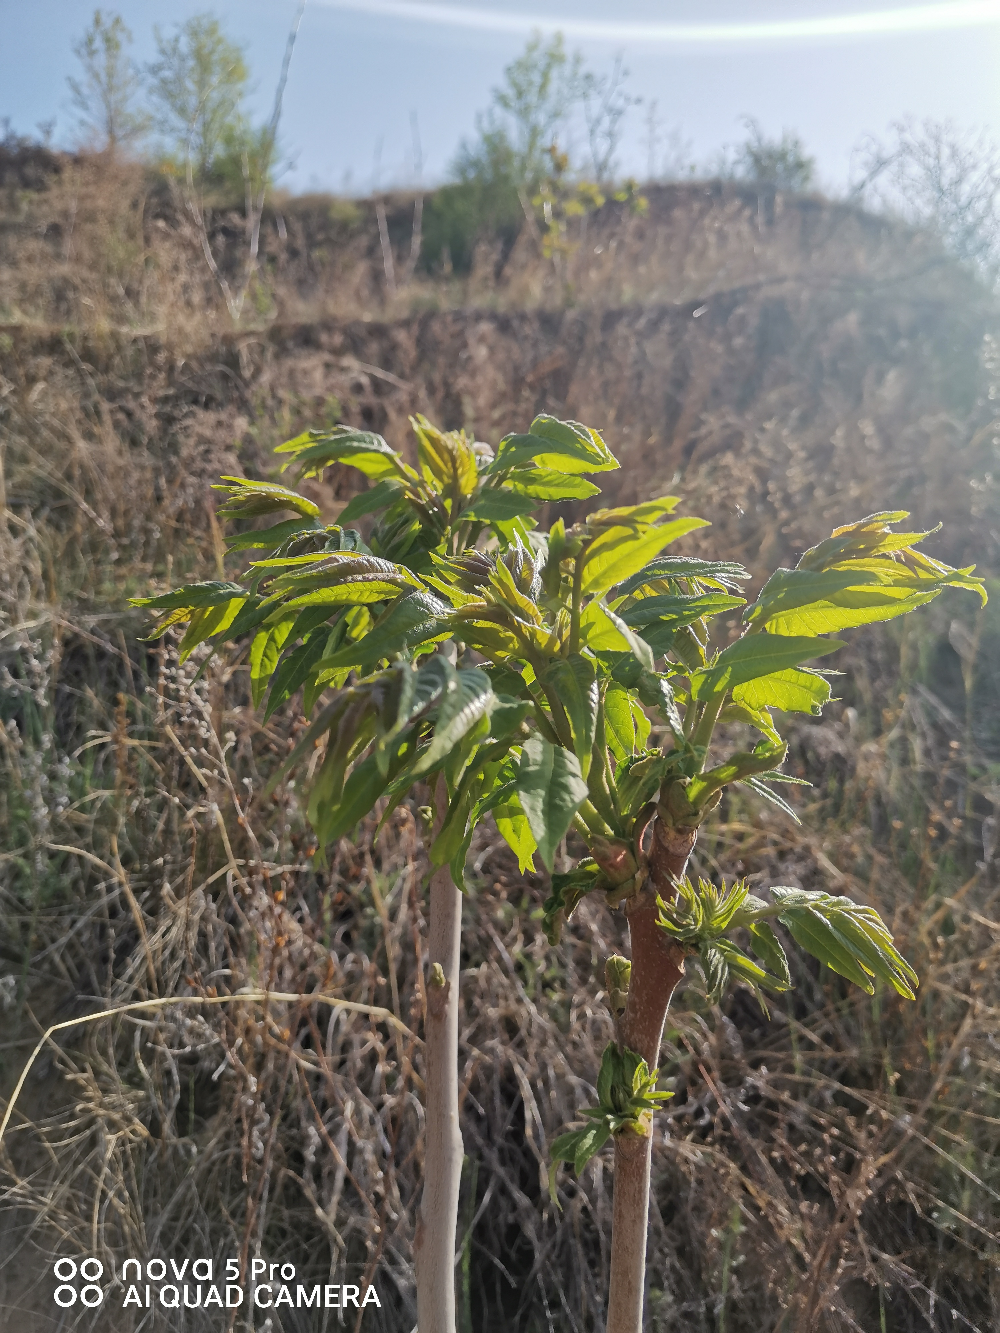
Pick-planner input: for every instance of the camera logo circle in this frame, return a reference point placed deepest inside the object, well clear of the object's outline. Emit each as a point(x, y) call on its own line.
point(68, 1271)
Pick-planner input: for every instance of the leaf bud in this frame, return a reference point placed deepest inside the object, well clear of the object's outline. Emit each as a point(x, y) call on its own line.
point(617, 974)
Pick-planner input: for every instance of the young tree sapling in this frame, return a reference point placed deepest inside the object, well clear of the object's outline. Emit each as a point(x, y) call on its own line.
point(516, 672)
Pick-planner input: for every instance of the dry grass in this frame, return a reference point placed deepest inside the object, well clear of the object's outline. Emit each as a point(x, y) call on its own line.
point(844, 1148)
point(103, 246)
point(831, 1169)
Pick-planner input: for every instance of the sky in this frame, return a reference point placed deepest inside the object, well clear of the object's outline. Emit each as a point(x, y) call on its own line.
point(833, 71)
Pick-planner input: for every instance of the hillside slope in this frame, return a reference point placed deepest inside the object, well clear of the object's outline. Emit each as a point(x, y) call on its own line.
point(782, 365)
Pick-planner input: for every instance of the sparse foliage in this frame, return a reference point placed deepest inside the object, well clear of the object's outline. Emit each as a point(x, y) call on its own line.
point(539, 93)
point(781, 164)
point(521, 162)
point(198, 82)
point(104, 96)
point(605, 105)
point(938, 177)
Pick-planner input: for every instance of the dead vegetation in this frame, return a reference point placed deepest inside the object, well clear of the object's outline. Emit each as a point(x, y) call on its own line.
point(831, 1169)
point(102, 245)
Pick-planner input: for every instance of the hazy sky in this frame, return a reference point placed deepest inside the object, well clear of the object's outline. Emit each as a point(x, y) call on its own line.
point(833, 70)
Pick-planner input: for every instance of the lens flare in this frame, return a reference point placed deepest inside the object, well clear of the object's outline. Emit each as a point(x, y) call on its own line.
point(871, 23)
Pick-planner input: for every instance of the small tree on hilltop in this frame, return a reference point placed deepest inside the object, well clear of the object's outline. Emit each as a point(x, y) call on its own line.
point(104, 97)
point(515, 671)
point(775, 164)
point(198, 82)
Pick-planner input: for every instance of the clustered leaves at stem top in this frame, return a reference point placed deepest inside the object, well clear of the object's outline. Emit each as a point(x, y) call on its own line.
point(572, 642)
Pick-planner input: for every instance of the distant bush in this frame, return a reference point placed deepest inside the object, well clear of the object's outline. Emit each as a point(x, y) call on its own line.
point(504, 171)
point(782, 164)
point(941, 178)
point(483, 200)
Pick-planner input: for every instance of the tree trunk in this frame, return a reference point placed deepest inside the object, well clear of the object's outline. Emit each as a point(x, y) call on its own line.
point(657, 966)
point(434, 1246)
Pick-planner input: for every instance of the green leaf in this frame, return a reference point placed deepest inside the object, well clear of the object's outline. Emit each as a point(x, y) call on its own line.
point(759, 788)
point(208, 621)
point(293, 670)
point(413, 619)
point(716, 969)
point(508, 714)
point(734, 712)
point(602, 630)
point(876, 952)
point(563, 1147)
point(564, 433)
point(636, 517)
point(317, 450)
point(790, 589)
point(271, 537)
point(348, 735)
point(754, 656)
point(467, 696)
point(499, 506)
point(620, 552)
point(619, 722)
point(251, 614)
point(767, 947)
point(344, 539)
point(341, 576)
point(567, 891)
point(550, 484)
point(655, 691)
point(856, 931)
point(250, 499)
point(365, 785)
point(851, 608)
point(550, 789)
point(447, 459)
point(610, 1072)
point(590, 1142)
point(264, 653)
point(637, 782)
point(812, 932)
point(349, 592)
point(796, 690)
point(562, 446)
point(721, 574)
point(513, 827)
point(679, 610)
point(746, 968)
point(454, 832)
point(574, 680)
point(409, 693)
point(868, 536)
point(381, 496)
point(192, 596)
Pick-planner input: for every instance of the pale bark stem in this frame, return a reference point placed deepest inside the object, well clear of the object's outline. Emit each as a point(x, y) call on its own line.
point(629, 1224)
point(434, 1245)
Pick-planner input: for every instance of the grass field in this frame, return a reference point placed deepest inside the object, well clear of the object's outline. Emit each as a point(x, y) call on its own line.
point(832, 1168)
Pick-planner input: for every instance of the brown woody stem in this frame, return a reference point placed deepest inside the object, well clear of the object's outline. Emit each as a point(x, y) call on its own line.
point(657, 967)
